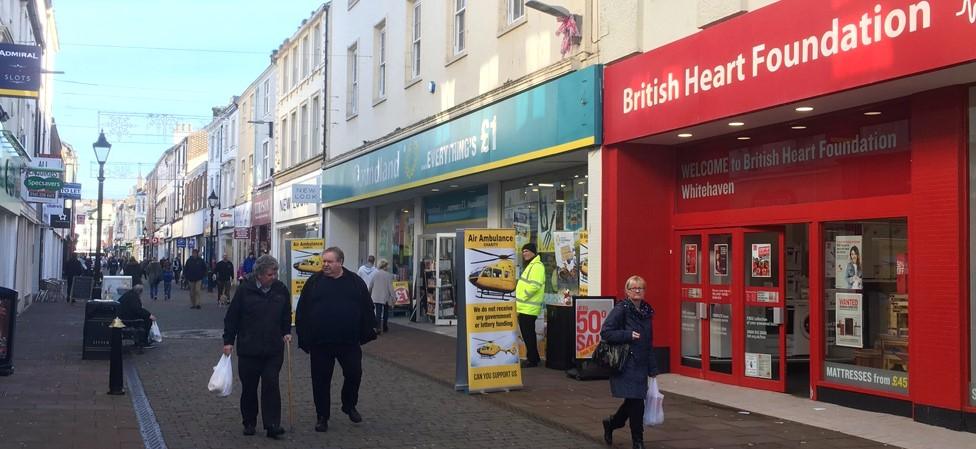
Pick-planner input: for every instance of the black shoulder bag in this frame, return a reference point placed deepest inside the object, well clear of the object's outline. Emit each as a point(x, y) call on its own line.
point(611, 355)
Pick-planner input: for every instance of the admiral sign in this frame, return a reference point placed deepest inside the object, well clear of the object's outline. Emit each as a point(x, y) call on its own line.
point(788, 51)
point(20, 70)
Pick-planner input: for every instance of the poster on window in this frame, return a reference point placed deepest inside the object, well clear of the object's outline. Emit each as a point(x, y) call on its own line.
point(305, 259)
point(721, 266)
point(847, 265)
point(691, 259)
point(547, 221)
point(573, 216)
point(762, 254)
point(523, 229)
point(401, 293)
point(490, 326)
point(584, 262)
point(567, 265)
point(850, 320)
point(590, 315)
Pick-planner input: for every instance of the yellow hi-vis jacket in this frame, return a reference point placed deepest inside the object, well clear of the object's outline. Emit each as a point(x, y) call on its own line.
point(529, 292)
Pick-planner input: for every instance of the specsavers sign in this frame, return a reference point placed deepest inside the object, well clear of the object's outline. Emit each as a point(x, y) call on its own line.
point(43, 181)
point(490, 319)
point(555, 117)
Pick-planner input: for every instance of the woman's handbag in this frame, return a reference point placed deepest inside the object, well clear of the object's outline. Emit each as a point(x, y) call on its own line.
point(610, 355)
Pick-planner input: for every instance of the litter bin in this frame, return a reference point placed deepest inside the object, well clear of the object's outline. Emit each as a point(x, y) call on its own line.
point(8, 321)
point(560, 337)
point(96, 335)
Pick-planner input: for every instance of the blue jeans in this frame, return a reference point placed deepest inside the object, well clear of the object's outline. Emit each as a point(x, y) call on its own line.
point(153, 289)
point(167, 288)
point(382, 316)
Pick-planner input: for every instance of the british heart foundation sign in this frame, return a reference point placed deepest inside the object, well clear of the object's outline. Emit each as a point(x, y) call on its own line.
point(787, 51)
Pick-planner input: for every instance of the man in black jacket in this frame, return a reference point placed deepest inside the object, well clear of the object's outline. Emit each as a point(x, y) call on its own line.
point(333, 319)
point(194, 269)
point(259, 319)
point(224, 271)
point(130, 308)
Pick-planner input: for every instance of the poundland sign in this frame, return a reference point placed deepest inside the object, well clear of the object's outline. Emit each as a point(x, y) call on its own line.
point(787, 51)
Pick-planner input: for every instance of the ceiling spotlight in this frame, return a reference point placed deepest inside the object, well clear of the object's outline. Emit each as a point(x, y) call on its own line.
point(872, 113)
point(453, 186)
point(535, 189)
point(743, 138)
point(435, 190)
point(545, 184)
point(804, 109)
point(736, 124)
point(685, 135)
point(798, 127)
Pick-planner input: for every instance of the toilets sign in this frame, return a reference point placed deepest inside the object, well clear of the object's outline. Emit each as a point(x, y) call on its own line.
point(787, 51)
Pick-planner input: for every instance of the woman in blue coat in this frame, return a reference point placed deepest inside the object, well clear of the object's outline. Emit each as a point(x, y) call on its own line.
point(630, 322)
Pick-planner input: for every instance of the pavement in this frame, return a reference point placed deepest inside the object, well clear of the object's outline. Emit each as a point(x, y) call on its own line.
point(56, 400)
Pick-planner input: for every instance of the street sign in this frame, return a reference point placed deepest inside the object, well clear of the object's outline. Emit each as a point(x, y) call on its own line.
point(191, 243)
point(181, 242)
point(155, 240)
point(71, 191)
point(242, 233)
point(63, 220)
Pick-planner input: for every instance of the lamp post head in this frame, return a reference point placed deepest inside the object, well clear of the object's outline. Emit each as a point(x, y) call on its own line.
point(212, 199)
point(102, 148)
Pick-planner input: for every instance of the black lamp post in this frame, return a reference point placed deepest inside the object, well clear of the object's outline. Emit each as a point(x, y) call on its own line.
point(102, 148)
point(212, 201)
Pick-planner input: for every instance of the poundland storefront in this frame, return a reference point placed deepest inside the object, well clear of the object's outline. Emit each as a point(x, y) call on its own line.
point(810, 167)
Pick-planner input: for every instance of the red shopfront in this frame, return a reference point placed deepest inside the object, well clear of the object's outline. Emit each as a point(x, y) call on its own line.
point(794, 211)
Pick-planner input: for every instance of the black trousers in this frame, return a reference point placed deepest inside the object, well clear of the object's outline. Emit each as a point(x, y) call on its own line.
point(382, 315)
point(350, 357)
point(631, 410)
point(263, 369)
point(527, 327)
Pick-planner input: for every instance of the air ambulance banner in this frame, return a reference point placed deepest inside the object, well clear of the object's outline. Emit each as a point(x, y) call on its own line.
point(590, 314)
point(847, 161)
point(491, 325)
point(305, 259)
point(787, 51)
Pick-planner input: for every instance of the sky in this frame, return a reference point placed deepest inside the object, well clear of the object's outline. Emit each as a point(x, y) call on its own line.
point(136, 67)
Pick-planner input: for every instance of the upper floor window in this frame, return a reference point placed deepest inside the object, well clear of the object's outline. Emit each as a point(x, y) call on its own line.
point(516, 10)
point(267, 97)
point(284, 75)
point(295, 67)
point(352, 81)
point(415, 41)
point(316, 126)
point(305, 49)
point(317, 46)
point(379, 56)
point(459, 9)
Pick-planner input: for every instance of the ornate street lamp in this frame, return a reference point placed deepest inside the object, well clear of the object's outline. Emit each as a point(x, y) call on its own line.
point(212, 201)
point(102, 148)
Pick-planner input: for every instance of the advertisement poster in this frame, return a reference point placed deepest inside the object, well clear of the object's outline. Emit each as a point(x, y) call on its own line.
point(6, 311)
point(523, 229)
point(762, 254)
point(584, 262)
point(547, 221)
point(691, 258)
point(567, 273)
point(573, 216)
point(401, 293)
point(590, 314)
point(850, 320)
point(721, 266)
point(490, 328)
point(305, 259)
point(113, 287)
point(847, 265)
point(759, 365)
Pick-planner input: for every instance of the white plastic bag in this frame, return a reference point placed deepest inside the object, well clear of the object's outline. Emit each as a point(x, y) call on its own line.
point(222, 380)
point(653, 404)
point(155, 335)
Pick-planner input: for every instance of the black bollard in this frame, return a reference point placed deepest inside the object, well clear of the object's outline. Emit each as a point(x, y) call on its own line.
point(115, 360)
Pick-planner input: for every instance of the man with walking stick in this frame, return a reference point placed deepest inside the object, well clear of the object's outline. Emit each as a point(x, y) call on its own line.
point(259, 320)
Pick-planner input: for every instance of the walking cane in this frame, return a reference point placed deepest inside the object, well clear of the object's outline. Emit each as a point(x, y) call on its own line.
point(291, 425)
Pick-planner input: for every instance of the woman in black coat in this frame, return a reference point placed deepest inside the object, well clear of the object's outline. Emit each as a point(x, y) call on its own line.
point(133, 269)
point(630, 322)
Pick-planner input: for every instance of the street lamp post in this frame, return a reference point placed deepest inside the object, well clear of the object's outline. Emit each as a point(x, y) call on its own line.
point(212, 201)
point(102, 148)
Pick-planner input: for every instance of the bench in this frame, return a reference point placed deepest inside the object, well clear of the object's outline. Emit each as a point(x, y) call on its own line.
point(97, 335)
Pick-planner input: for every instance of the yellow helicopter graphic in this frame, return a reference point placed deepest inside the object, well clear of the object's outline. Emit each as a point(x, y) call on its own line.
point(489, 349)
point(496, 280)
point(311, 262)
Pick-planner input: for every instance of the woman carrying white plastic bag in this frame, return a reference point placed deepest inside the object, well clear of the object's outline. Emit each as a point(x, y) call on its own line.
point(653, 405)
point(222, 380)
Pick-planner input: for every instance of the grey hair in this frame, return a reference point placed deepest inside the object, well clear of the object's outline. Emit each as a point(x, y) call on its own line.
point(264, 264)
point(340, 256)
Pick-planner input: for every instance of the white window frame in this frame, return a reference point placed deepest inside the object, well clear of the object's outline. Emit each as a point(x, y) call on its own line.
point(267, 97)
point(380, 58)
point(295, 151)
point(515, 7)
point(315, 127)
point(460, 7)
point(305, 57)
point(317, 46)
point(284, 75)
point(295, 66)
point(284, 143)
point(415, 40)
point(303, 142)
point(352, 81)
point(265, 159)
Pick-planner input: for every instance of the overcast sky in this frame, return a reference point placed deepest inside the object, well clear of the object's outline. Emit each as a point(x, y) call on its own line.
point(136, 67)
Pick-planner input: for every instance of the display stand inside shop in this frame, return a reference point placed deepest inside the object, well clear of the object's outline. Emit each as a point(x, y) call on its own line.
point(436, 293)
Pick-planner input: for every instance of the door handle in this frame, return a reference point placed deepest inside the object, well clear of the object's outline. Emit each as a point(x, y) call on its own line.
point(777, 315)
point(702, 310)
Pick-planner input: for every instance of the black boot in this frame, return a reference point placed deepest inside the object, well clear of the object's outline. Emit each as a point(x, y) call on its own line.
point(638, 444)
point(322, 424)
point(607, 431)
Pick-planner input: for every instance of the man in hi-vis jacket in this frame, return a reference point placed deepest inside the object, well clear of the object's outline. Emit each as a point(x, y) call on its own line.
point(529, 296)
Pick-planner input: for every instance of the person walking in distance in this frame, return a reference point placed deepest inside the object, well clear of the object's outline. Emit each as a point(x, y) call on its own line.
point(334, 318)
point(225, 272)
point(134, 270)
point(381, 290)
point(195, 269)
point(259, 322)
point(367, 269)
point(154, 274)
point(529, 295)
point(248, 265)
point(177, 270)
point(630, 322)
point(167, 277)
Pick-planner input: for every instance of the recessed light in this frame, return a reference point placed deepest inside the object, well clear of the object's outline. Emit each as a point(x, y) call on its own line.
point(586, 194)
point(581, 182)
point(535, 190)
point(545, 184)
point(736, 124)
point(873, 113)
point(435, 190)
point(685, 135)
point(743, 137)
point(454, 186)
point(560, 201)
point(531, 184)
point(804, 109)
point(406, 211)
point(575, 176)
point(798, 127)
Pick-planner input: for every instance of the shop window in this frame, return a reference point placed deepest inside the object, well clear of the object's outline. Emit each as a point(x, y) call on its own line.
point(395, 238)
point(866, 302)
point(550, 211)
